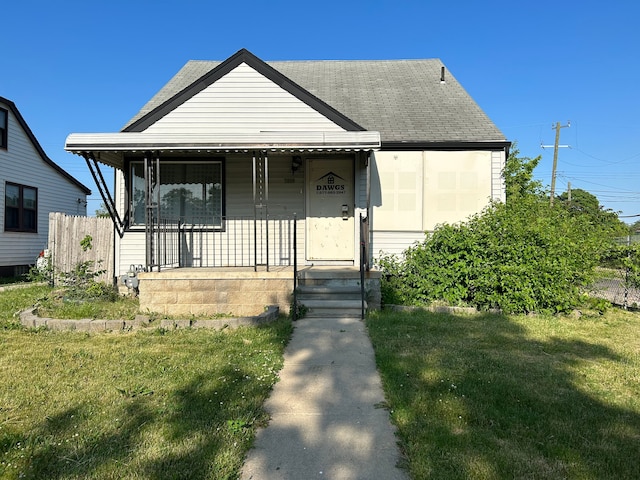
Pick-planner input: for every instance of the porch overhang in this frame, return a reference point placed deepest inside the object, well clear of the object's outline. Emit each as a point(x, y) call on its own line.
point(109, 148)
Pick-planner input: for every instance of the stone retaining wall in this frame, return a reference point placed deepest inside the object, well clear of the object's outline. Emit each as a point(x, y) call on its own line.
point(30, 319)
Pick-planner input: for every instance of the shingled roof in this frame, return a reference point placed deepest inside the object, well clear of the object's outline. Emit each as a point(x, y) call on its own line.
point(404, 100)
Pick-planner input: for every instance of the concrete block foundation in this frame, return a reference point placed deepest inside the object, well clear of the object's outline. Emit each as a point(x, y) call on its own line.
point(212, 291)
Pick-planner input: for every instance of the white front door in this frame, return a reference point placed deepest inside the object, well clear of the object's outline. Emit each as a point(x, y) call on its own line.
point(330, 202)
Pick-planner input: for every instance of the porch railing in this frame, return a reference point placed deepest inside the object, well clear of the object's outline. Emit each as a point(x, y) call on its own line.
point(364, 260)
point(229, 242)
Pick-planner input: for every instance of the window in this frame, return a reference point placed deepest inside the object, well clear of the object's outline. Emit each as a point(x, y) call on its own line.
point(190, 192)
point(20, 208)
point(4, 121)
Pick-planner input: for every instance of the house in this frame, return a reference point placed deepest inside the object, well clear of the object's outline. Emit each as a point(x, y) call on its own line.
point(317, 165)
point(31, 186)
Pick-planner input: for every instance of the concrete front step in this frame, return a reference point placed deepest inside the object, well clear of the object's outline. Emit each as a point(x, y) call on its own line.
point(331, 292)
point(328, 290)
point(320, 307)
point(334, 312)
point(330, 304)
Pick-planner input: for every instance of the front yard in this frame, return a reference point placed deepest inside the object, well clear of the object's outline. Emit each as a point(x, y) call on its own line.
point(144, 404)
point(473, 396)
point(492, 397)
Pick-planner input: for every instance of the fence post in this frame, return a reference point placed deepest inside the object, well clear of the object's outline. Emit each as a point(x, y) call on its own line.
point(625, 302)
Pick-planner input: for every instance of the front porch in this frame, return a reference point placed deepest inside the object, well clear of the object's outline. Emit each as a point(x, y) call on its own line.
point(243, 291)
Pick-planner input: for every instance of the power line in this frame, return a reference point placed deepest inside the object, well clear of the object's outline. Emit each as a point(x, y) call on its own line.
point(599, 184)
point(608, 162)
point(555, 158)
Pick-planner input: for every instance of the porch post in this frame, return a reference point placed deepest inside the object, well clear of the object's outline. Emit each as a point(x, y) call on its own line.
point(260, 203)
point(266, 202)
point(367, 163)
point(151, 181)
point(255, 216)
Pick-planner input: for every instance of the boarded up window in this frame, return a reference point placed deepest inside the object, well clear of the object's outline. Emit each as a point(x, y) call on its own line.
point(400, 180)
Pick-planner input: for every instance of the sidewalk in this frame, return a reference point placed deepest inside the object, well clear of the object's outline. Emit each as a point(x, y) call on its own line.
point(326, 421)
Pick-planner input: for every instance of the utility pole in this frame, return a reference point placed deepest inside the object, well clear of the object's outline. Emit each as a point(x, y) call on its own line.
point(555, 158)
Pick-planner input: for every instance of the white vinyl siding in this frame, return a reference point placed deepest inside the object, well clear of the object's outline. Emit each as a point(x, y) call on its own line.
point(243, 101)
point(21, 164)
point(498, 191)
point(394, 243)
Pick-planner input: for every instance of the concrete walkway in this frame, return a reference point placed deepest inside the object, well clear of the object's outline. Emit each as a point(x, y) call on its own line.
point(326, 420)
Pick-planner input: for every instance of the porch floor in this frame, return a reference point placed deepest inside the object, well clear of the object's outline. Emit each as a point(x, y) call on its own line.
point(311, 271)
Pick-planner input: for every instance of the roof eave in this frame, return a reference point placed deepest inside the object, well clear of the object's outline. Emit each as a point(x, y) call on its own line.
point(131, 142)
point(34, 141)
point(448, 145)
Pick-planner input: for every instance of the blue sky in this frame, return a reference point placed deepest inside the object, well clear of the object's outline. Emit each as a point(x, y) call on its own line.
point(88, 66)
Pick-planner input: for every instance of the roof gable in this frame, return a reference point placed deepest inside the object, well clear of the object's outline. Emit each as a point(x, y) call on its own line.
point(405, 100)
point(36, 145)
point(207, 93)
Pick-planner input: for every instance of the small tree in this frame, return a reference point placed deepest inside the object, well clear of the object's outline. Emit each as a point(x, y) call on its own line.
point(80, 283)
point(518, 175)
point(102, 211)
point(634, 228)
point(587, 204)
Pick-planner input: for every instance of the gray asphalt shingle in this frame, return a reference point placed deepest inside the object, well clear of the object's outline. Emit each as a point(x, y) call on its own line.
point(402, 99)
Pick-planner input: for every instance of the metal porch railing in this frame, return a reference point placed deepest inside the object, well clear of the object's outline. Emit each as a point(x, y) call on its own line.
point(364, 259)
point(231, 242)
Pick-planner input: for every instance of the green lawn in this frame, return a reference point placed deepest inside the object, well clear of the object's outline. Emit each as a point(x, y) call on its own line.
point(149, 404)
point(478, 396)
point(530, 397)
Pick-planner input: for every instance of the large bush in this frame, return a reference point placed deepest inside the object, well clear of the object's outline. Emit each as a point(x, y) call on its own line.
point(522, 256)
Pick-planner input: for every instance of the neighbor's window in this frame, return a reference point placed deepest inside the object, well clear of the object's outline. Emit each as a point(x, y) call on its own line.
point(4, 121)
point(20, 208)
point(189, 191)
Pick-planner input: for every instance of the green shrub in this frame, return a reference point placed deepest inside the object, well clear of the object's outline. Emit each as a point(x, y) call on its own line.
point(520, 257)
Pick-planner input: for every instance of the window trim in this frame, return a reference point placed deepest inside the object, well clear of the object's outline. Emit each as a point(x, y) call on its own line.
point(4, 130)
point(131, 226)
point(21, 209)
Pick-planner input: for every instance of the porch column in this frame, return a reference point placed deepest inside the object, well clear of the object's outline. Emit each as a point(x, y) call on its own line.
point(260, 208)
point(152, 208)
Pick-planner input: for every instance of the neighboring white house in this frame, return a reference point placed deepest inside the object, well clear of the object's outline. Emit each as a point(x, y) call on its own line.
point(31, 186)
point(212, 170)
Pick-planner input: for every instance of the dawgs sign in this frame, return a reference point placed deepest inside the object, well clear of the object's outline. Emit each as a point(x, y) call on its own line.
point(330, 184)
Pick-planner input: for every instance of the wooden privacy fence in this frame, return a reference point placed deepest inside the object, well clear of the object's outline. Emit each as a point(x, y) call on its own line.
point(65, 234)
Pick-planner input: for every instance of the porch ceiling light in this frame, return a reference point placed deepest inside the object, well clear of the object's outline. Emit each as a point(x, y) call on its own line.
point(296, 163)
